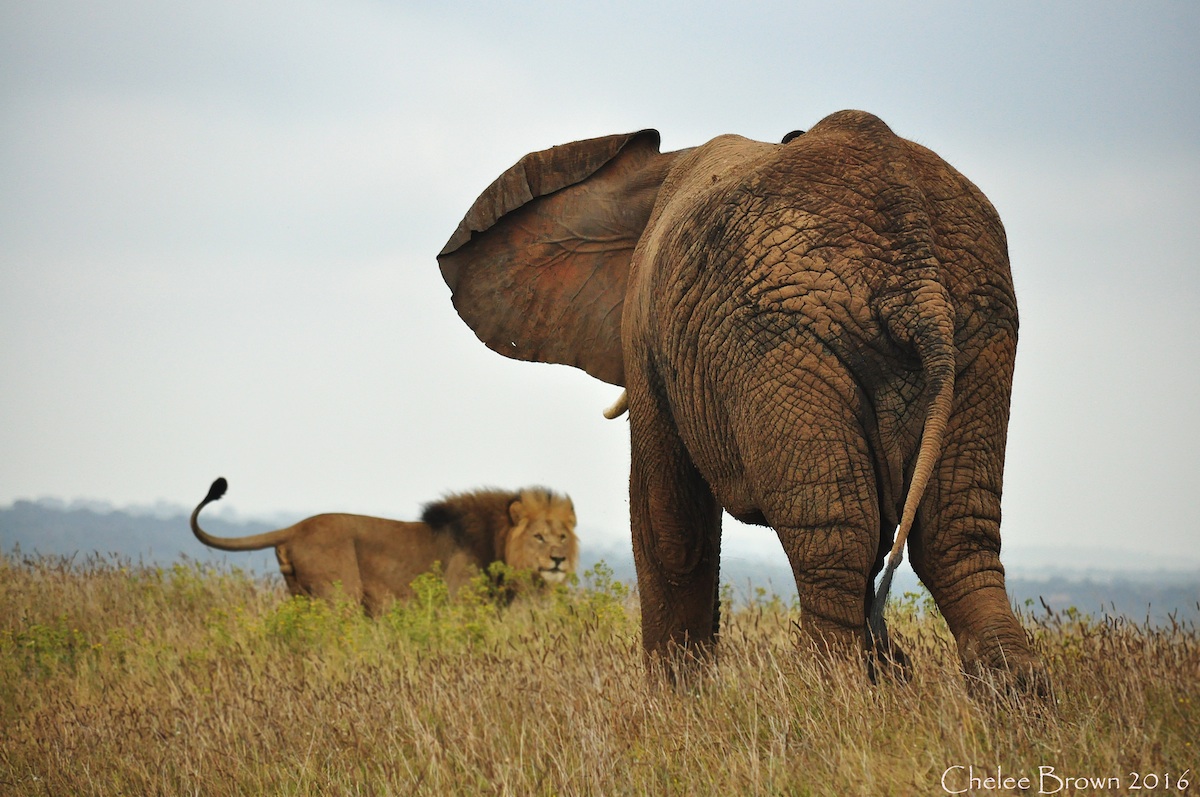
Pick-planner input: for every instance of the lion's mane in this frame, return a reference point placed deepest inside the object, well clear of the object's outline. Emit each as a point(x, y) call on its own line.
point(482, 522)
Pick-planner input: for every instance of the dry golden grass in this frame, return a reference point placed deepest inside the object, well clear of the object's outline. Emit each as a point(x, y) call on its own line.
point(116, 679)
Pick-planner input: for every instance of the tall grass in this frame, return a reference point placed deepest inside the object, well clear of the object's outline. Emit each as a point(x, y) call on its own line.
point(120, 679)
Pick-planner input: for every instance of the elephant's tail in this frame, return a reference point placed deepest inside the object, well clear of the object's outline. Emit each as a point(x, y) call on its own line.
point(923, 317)
point(919, 315)
point(254, 542)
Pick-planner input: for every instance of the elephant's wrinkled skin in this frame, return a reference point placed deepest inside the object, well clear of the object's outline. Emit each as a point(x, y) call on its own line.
point(793, 323)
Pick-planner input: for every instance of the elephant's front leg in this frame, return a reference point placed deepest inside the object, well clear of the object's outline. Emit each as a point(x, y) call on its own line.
point(676, 525)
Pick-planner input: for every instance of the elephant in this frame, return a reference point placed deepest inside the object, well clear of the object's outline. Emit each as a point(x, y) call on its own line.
point(817, 335)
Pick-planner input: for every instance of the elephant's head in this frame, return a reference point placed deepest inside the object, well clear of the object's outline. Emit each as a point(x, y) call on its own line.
point(538, 267)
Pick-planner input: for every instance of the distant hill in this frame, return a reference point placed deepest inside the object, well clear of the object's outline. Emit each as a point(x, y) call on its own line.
point(159, 538)
point(160, 535)
point(1139, 595)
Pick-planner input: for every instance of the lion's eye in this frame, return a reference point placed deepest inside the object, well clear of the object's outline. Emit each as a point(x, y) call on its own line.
point(539, 538)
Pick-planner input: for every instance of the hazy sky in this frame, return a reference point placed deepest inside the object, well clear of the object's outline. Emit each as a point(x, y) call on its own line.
point(219, 223)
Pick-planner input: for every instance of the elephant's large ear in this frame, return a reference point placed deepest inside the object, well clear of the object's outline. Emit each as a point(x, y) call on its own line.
point(538, 267)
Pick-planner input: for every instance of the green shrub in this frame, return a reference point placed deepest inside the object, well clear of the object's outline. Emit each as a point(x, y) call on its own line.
point(44, 650)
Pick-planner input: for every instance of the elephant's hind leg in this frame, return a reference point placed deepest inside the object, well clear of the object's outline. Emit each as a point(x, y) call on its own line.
point(831, 559)
point(822, 505)
point(806, 454)
point(955, 544)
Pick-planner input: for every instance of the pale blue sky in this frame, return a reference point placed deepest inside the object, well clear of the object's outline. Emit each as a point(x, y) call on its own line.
point(219, 222)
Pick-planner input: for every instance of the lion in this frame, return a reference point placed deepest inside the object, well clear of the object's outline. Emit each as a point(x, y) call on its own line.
point(375, 560)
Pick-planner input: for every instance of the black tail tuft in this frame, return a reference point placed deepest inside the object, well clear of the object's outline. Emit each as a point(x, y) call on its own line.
point(217, 490)
point(876, 624)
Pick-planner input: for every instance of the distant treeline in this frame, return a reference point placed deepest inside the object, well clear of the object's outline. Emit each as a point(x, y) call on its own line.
point(59, 530)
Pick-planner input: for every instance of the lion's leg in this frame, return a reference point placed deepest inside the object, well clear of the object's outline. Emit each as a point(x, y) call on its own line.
point(326, 571)
point(375, 603)
point(459, 570)
point(345, 582)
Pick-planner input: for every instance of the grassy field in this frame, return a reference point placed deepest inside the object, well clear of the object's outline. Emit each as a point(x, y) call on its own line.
point(119, 679)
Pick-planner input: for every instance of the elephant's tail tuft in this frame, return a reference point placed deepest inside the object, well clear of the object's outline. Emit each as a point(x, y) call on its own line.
point(875, 624)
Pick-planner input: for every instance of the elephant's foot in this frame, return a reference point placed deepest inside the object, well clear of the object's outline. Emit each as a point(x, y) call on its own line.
point(832, 644)
point(1006, 673)
point(992, 645)
point(685, 667)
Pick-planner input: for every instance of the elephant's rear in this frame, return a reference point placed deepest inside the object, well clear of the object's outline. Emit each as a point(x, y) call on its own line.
point(955, 542)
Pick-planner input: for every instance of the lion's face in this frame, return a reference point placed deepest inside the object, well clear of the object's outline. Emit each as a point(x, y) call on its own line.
point(543, 538)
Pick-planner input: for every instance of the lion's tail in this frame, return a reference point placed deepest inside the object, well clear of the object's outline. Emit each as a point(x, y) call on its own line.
point(254, 542)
